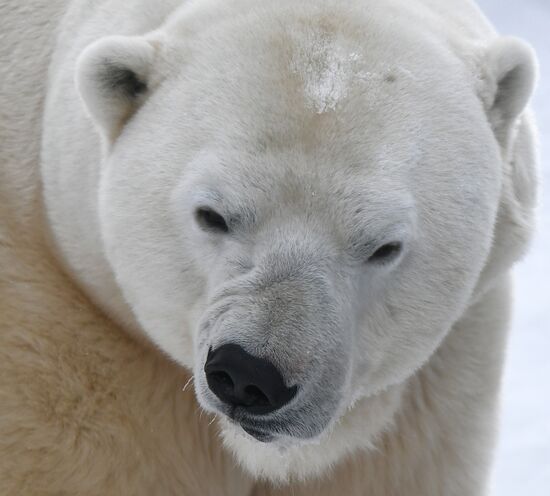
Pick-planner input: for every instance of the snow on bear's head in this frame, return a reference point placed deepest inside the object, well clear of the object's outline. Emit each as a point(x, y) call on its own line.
point(298, 207)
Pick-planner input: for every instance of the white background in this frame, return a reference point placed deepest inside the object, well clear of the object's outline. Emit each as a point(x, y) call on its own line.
point(522, 465)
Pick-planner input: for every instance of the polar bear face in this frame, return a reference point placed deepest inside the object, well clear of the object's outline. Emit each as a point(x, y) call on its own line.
point(318, 205)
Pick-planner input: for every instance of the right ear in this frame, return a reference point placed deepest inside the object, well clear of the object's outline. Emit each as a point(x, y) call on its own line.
point(510, 73)
point(113, 77)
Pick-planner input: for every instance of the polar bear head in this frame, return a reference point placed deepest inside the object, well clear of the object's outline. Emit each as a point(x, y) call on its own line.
point(298, 205)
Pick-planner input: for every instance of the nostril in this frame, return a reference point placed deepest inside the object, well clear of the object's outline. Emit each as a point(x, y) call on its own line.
point(255, 397)
point(224, 381)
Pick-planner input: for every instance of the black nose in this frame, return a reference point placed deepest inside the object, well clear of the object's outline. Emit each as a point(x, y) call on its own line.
point(240, 379)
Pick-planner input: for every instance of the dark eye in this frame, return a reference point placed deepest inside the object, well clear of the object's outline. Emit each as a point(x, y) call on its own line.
point(386, 252)
point(211, 220)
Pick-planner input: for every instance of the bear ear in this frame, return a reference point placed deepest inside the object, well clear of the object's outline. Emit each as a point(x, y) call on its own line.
point(113, 80)
point(510, 68)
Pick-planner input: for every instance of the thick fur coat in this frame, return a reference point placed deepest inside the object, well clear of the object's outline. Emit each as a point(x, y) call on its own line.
point(90, 271)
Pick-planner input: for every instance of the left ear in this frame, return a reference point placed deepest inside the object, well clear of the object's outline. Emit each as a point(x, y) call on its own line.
point(509, 71)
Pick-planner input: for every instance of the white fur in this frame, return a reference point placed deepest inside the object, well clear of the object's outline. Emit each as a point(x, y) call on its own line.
point(329, 127)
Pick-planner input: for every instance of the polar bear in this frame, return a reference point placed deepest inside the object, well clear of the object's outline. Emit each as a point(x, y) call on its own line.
point(312, 206)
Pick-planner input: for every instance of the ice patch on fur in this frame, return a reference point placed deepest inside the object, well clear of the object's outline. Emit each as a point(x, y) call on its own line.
point(326, 68)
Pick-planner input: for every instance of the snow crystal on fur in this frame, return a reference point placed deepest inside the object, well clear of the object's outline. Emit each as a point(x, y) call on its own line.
point(327, 69)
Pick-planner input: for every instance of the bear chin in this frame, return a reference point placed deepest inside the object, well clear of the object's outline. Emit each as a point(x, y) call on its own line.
point(279, 460)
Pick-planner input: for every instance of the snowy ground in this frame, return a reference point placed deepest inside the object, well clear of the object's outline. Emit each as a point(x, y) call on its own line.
point(523, 456)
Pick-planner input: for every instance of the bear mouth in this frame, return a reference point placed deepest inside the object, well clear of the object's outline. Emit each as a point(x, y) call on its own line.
point(250, 426)
point(267, 429)
point(259, 435)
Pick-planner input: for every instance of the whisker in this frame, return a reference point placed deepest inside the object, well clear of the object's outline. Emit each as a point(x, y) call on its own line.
point(188, 382)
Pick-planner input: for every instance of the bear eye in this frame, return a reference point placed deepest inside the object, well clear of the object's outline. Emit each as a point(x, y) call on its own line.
point(386, 253)
point(211, 220)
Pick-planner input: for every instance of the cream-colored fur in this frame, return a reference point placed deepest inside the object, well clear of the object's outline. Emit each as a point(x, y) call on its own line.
point(86, 410)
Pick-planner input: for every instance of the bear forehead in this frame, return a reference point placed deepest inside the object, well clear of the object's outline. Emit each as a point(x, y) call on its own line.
point(309, 57)
point(313, 80)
